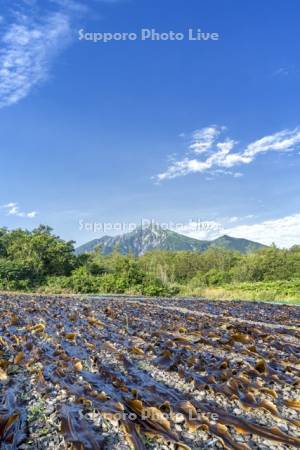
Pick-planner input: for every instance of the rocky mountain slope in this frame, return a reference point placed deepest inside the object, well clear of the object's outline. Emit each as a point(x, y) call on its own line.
point(142, 240)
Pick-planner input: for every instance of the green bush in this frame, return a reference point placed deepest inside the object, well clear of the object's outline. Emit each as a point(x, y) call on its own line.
point(114, 284)
point(154, 287)
point(15, 275)
point(215, 277)
point(79, 282)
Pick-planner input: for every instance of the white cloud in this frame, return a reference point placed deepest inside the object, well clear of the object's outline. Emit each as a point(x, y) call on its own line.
point(13, 209)
point(213, 155)
point(284, 232)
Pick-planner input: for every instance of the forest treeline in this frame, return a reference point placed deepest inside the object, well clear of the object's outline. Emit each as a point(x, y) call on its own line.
point(40, 261)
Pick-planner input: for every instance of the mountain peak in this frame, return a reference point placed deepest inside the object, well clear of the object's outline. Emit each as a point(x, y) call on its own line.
point(154, 237)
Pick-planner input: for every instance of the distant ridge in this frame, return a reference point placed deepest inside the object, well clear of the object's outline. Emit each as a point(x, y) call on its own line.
point(145, 239)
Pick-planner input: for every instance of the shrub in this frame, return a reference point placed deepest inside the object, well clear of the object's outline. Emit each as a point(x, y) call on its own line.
point(15, 275)
point(79, 282)
point(217, 277)
point(114, 284)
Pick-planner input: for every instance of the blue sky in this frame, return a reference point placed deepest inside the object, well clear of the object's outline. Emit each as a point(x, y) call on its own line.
point(175, 131)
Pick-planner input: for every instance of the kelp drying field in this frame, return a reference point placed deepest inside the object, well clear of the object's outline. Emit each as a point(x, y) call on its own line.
point(123, 373)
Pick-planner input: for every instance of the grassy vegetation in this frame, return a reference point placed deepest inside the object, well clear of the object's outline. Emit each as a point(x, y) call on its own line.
point(274, 291)
point(38, 261)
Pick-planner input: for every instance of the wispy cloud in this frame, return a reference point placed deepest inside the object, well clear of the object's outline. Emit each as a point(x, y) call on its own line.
point(282, 72)
point(211, 151)
point(71, 5)
point(13, 209)
point(203, 139)
point(235, 219)
point(33, 33)
point(28, 45)
point(286, 71)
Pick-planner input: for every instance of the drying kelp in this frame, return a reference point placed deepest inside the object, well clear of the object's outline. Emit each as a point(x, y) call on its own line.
point(139, 373)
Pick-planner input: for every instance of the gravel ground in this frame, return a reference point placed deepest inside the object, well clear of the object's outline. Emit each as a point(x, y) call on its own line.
point(123, 373)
